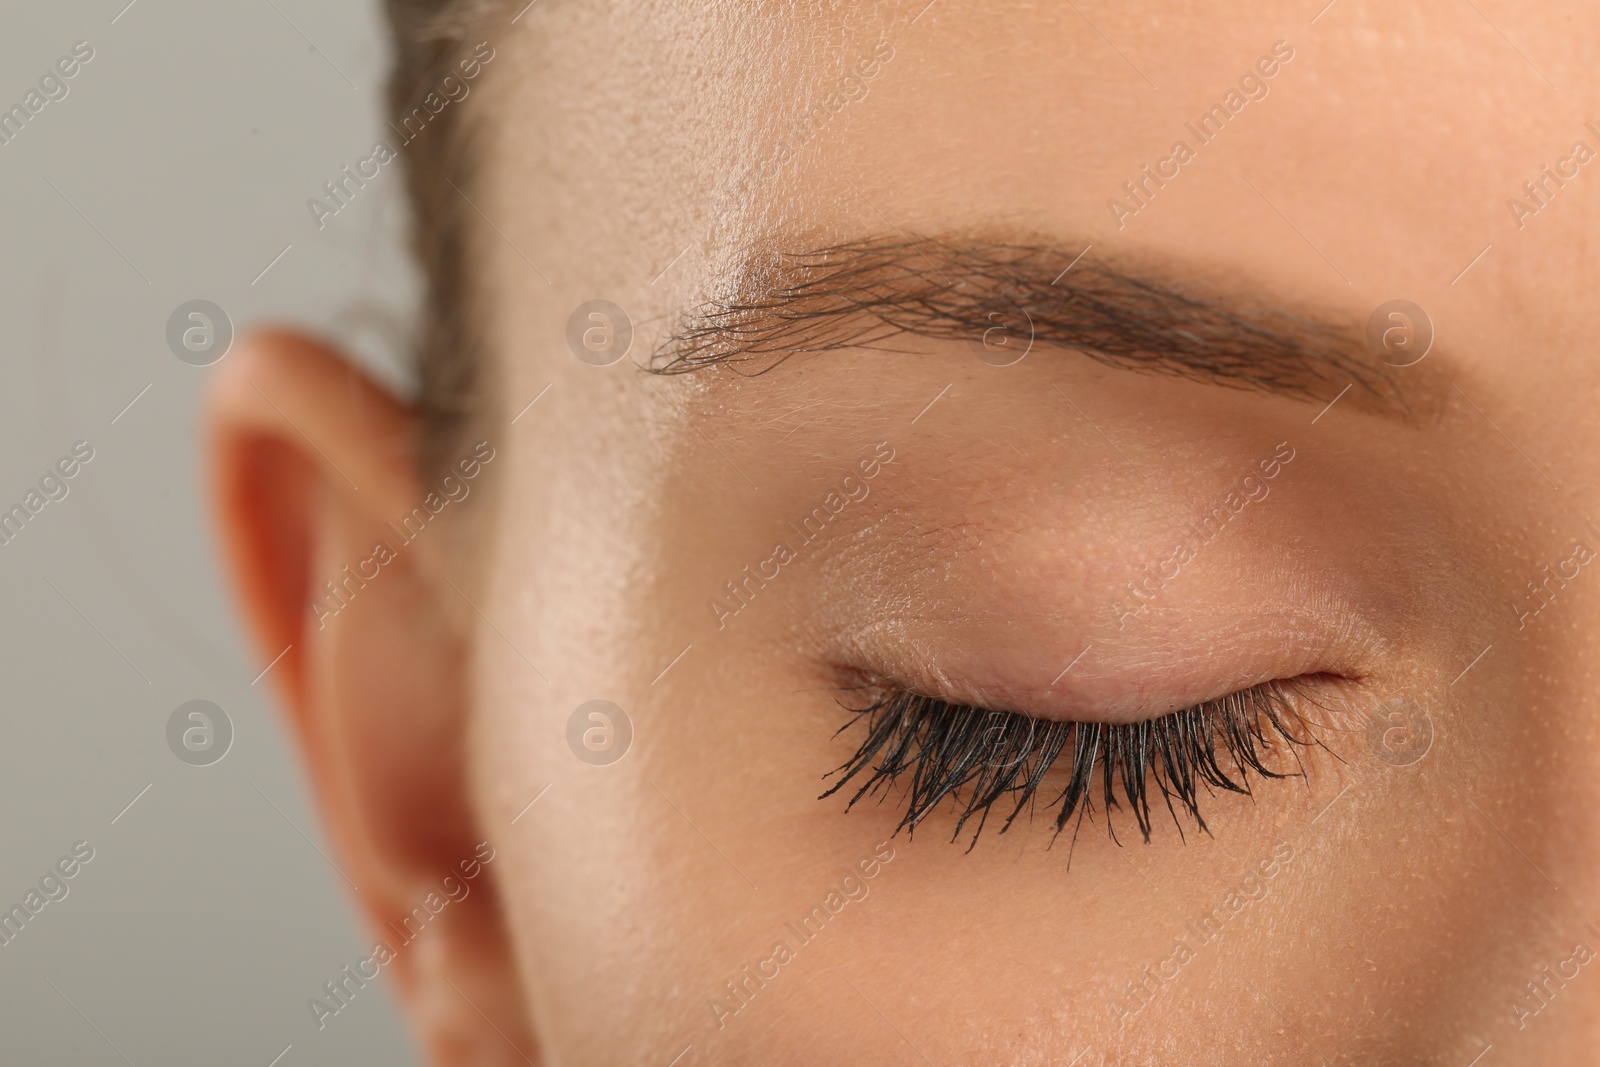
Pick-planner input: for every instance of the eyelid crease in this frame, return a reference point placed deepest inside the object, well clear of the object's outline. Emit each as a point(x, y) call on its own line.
point(979, 756)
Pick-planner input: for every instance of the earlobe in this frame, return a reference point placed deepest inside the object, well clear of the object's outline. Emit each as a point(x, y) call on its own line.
point(311, 463)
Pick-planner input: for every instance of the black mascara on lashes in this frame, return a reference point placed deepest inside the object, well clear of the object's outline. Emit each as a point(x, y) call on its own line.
point(981, 757)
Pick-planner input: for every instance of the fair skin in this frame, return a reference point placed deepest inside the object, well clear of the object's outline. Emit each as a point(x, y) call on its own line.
point(1413, 899)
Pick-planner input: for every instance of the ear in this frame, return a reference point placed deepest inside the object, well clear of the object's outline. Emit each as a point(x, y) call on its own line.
point(340, 565)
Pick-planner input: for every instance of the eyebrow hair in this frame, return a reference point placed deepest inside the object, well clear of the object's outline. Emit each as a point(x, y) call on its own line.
point(868, 293)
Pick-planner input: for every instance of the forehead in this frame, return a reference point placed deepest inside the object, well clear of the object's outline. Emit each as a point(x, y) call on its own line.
point(645, 152)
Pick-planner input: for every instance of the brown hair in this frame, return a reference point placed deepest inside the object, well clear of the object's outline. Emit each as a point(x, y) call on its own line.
point(430, 37)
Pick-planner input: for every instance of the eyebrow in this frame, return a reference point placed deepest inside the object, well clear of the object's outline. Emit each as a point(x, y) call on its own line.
point(870, 293)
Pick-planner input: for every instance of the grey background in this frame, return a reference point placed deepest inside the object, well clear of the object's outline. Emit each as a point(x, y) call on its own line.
point(181, 162)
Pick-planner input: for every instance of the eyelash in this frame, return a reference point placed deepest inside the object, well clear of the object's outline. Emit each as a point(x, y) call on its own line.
point(981, 757)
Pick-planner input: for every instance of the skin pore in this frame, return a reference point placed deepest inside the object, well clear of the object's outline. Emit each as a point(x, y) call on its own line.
point(1392, 905)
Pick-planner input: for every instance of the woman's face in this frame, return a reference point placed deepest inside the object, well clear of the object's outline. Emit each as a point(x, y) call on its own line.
point(1209, 471)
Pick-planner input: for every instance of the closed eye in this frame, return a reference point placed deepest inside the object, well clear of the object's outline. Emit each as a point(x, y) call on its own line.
point(938, 749)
